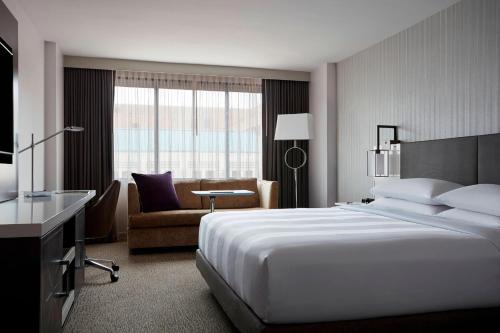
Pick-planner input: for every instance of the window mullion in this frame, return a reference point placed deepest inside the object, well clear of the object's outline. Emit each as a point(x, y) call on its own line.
point(226, 124)
point(195, 131)
point(156, 131)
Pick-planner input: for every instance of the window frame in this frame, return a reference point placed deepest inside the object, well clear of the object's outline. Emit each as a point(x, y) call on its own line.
point(156, 128)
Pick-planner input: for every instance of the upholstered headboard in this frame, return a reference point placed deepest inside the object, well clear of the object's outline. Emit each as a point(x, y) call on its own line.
point(466, 160)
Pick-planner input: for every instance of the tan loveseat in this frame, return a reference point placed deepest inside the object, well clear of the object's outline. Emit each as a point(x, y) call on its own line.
point(180, 227)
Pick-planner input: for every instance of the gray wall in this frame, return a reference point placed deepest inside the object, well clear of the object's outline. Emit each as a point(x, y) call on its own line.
point(437, 79)
point(323, 148)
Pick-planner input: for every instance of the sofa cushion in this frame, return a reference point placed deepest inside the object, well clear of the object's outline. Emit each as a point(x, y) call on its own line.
point(187, 199)
point(156, 192)
point(172, 218)
point(231, 184)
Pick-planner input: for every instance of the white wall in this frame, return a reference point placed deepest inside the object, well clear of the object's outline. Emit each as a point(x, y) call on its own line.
point(40, 104)
point(31, 96)
point(437, 79)
point(54, 116)
point(323, 148)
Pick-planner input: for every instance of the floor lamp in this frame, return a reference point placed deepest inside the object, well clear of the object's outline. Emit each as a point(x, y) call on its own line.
point(298, 126)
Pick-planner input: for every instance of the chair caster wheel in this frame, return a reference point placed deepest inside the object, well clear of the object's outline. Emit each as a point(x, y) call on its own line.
point(116, 268)
point(114, 277)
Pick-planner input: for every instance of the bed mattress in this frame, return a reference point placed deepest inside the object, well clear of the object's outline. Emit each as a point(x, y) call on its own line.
point(314, 265)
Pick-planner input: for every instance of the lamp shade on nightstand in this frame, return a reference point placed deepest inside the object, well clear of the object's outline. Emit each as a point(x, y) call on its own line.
point(384, 159)
point(298, 126)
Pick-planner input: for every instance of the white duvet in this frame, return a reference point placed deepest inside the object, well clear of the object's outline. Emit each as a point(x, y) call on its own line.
point(313, 265)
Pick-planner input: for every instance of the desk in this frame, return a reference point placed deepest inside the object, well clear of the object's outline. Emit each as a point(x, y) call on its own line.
point(42, 259)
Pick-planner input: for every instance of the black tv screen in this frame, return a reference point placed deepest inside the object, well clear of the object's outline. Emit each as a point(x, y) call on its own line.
point(6, 103)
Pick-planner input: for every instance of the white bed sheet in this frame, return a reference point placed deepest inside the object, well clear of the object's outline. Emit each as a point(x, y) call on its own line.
point(314, 265)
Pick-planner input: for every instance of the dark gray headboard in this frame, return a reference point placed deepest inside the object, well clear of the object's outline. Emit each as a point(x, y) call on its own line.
point(488, 159)
point(467, 160)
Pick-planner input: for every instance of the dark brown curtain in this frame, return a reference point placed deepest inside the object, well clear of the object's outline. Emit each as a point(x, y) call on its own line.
point(284, 97)
point(88, 155)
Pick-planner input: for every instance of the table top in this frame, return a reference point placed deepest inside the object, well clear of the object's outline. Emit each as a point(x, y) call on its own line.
point(348, 203)
point(34, 217)
point(222, 193)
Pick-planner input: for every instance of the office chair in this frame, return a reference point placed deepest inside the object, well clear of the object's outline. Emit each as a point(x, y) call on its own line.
point(99, 220)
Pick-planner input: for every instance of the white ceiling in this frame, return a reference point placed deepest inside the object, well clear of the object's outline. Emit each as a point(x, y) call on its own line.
point(279, 34)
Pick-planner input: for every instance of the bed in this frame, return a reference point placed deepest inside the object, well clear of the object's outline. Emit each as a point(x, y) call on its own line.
point(361, 269)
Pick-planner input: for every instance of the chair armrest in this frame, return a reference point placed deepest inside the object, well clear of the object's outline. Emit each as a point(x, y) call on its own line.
point(268, 193)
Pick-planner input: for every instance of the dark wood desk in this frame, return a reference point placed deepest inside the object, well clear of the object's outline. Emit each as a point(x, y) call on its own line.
point(42, 260)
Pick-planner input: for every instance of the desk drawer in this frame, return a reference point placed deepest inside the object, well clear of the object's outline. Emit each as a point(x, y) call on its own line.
point(52, 253)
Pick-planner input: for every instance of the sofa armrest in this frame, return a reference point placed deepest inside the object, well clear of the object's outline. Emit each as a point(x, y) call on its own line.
point(268, 193)
point(133, 200)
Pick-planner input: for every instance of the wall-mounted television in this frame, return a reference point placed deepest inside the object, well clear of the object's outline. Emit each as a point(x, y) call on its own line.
point(6, 103)
point(9, 103)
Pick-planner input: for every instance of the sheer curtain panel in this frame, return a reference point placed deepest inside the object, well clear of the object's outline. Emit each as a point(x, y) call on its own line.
point(193, 125)
point(134, 125)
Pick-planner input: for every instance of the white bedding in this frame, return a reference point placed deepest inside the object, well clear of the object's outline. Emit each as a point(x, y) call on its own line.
point(313, 265)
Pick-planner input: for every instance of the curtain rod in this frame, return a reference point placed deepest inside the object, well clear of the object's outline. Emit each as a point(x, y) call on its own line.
point(194, 75)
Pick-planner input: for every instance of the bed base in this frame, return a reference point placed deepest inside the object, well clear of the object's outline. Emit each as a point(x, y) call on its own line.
point(245, 320)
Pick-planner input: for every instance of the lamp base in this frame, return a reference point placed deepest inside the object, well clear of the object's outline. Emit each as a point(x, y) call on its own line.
point(37, 194)
point(295, 169)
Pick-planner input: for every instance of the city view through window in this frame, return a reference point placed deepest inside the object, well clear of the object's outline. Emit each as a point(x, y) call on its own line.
point(193, 133)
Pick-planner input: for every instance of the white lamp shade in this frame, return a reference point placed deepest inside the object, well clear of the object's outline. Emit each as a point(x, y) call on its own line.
point(298, 126)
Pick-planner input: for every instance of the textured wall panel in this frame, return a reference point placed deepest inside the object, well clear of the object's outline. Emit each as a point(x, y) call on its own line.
point(437, 79)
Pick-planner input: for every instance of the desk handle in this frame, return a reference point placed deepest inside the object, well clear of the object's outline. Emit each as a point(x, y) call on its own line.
point(64, 262)
point(65, 291)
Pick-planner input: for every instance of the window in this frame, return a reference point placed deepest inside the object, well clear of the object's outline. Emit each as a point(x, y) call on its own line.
point(195, 126)
point(133, 128)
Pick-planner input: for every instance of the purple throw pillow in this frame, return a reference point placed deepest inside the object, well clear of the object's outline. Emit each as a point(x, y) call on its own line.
point(156, 192)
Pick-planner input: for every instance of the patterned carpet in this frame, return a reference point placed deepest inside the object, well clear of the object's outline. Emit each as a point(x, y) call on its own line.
point(156, 292)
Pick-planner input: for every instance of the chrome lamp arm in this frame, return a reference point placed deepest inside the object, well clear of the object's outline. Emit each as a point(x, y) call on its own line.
point(66, 129)
point(33, 144)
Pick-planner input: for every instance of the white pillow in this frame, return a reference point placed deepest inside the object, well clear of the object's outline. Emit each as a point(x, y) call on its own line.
point(408, 206)
point(481, 198)
point(421, 190)
point(467, 215)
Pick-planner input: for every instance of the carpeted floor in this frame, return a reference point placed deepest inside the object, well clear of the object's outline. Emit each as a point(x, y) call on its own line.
point(156, 292)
